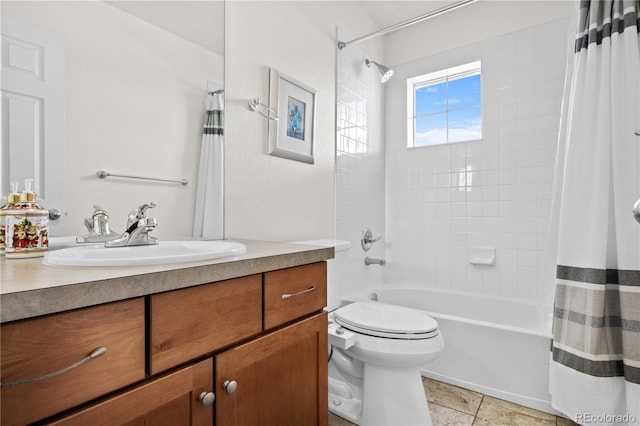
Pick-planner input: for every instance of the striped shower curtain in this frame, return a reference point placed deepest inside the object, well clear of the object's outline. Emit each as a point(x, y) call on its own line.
point(595, 366)
point(208, 223)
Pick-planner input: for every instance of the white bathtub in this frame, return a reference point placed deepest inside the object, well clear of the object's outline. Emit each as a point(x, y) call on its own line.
point(499, 347)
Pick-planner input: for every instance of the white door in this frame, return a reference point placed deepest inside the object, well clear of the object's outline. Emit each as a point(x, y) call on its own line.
point(33, 112)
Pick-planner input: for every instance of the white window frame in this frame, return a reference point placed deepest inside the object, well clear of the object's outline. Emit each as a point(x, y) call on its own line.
point(445, 75)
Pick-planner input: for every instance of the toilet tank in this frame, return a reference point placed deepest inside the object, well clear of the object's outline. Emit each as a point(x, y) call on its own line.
point(336, 268)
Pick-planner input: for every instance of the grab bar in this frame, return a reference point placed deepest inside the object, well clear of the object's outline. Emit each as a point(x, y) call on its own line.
point(103, 175)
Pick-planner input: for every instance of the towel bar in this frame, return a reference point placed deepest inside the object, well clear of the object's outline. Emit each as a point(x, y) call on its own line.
point(103, 175)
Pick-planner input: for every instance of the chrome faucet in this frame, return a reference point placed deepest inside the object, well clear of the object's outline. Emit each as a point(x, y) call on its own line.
point(138, 228)
point(98, 227)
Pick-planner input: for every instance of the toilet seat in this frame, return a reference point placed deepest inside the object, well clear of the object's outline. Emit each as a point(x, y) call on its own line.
point(386, 321)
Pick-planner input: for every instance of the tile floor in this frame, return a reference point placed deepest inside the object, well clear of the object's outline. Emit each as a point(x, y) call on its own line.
point(454, 406)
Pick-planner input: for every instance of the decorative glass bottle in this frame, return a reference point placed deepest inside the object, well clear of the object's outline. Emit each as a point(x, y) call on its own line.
point(27, 227)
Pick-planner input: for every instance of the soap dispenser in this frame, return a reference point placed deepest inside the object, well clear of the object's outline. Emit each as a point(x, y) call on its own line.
point(27, 226)
point(12, 199)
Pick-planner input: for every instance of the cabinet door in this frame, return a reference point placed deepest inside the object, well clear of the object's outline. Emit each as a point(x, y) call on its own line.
point(171, 400)
point(280, 378)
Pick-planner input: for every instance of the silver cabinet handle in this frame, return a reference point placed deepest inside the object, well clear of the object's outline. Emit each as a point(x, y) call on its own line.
point(207, 398)
point(94, 354)
point(288, 295)
point(230, 386)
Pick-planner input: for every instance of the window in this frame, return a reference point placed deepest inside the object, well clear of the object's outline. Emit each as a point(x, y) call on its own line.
point(444, 106)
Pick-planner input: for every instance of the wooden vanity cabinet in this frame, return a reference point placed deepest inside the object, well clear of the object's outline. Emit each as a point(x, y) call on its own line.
point(262, 355)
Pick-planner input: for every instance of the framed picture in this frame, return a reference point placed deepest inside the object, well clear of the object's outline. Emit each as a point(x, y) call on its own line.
point(292, 134)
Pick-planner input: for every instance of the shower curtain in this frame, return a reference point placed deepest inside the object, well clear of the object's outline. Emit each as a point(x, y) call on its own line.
point(595, 366)
point(208, 221)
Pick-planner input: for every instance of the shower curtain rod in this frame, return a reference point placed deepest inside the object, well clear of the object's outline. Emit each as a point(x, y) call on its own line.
point(407, 23)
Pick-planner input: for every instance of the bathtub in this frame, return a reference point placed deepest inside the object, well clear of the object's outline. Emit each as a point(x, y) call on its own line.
point(499, 347)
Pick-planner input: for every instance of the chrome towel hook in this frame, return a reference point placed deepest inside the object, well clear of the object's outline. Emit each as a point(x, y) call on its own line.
point(256, 106)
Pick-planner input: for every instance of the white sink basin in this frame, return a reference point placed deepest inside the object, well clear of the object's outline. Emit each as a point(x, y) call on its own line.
point(162, 253)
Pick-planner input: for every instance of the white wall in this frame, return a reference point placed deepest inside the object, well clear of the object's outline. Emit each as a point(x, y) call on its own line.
point(496, 192)
point(133, 96)
point(473, 23)
point(268, 197)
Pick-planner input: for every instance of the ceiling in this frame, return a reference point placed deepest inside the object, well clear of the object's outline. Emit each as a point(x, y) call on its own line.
point(202, 21)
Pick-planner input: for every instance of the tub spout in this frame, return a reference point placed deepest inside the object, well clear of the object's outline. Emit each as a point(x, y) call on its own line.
point(372, 261)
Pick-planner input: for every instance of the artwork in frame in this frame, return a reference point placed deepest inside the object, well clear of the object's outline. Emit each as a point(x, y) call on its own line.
point(292, 134)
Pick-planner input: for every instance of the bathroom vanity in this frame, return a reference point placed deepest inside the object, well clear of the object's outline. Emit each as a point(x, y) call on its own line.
point(232, 341)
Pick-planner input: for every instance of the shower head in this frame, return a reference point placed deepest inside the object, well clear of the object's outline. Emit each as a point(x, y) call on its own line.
point(385, 72)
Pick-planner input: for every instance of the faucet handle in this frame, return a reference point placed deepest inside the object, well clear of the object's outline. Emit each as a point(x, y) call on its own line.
point(143, 208)
point(139, 212)
point(368, 239)
point(98, 227)
point(90, 222)
point(98, 210)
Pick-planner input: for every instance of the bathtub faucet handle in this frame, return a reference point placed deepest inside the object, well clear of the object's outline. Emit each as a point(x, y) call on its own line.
point(368, 239)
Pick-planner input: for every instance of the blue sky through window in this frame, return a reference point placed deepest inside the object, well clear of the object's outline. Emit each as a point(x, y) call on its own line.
point(446, 106)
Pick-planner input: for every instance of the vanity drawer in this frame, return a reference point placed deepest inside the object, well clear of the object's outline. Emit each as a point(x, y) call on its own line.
point(293, 293)
point(37, 347)
point(188, 323)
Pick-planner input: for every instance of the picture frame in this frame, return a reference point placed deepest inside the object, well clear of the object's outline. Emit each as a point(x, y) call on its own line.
point(292, 135)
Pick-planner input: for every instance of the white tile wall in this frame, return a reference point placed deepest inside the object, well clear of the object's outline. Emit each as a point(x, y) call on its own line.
point(360, 179)
point(441, 200)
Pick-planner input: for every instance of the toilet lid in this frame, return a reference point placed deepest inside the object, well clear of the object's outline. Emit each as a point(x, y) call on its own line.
point(384, 320)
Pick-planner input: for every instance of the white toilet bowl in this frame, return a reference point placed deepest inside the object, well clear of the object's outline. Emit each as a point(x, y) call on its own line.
point(375, 379)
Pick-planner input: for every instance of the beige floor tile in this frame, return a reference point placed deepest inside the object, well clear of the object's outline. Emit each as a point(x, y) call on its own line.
point(451, 396)
point(338, 421)
point(565, 422)
point(496, 412)
point(443, 416)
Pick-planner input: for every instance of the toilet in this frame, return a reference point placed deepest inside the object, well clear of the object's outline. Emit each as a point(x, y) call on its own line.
point(375, 356)
point(374, 379)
